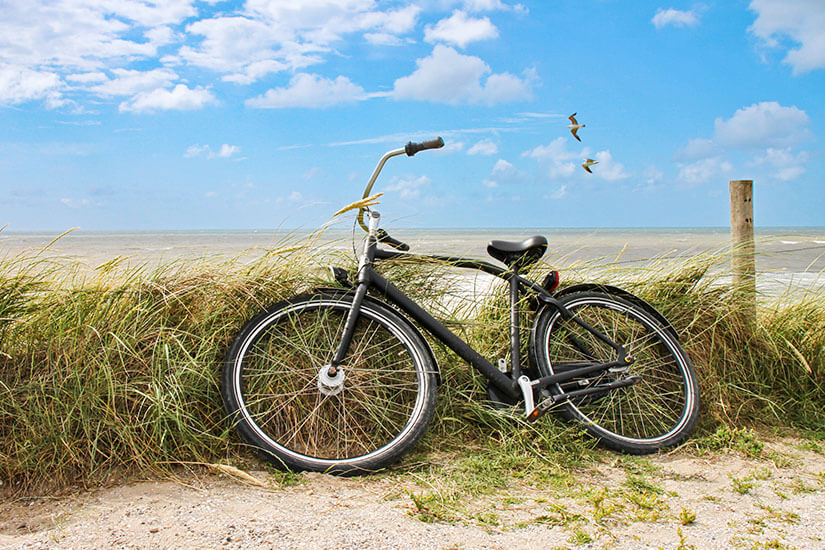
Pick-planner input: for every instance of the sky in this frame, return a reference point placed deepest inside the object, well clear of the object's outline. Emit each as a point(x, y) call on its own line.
point(208, 114)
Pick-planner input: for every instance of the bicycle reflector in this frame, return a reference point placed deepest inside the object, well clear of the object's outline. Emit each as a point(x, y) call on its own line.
point(551, 282)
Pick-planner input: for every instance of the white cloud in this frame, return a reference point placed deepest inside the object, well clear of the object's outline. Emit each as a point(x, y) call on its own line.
point(309, 90)
point(129, 82)
point(180, 98)
point(77, 39)
point(504, 173)
point(698, 148)
point(312, 173)
point(502, 167)
point(767, 129)
point(255, 71)
point(196, 151)
point(561, 164)
point(609, 169)
point(451, 147)
point(150, 13)
point(483, 147)
point(84, 34)
point(675, 18)
point(139, 53)
point(82, 41)
point(787, 165)
point(652, 176)
point(489, 5)
point(87, 78)
point(242, 46)
point(322, 22)
point(225, 152)
point(138, 50)
point(79, 203)
point(460, 30)
point(558, 161)
point(766, 124)
point(447, 76)
point(19, 84)
point(705, 170)
point(269, 37)
point(161, 36)
point(382, 39)
point(800, 21)
point(559, 193)
point(410, 188)
point(504, 87)
point(228, 150)
point(400, 21)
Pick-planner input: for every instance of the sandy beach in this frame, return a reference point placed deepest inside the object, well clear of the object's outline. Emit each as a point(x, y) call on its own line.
point(735, 502)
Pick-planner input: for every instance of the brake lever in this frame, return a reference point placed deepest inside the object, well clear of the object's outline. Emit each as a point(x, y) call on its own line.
point(384, 237)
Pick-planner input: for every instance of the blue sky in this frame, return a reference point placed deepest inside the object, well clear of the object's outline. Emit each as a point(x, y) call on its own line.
point(185, 114)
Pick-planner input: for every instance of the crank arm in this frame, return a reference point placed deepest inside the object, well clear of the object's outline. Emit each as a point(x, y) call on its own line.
point(526, 387)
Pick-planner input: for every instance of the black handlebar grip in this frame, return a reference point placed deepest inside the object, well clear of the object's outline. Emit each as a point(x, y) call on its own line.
point(384, 237)
point(412, 148)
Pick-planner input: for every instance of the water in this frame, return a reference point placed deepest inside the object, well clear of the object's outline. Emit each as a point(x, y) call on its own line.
point(786, 257)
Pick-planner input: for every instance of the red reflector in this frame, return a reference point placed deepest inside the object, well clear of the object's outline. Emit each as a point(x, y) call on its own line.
point(551, 281)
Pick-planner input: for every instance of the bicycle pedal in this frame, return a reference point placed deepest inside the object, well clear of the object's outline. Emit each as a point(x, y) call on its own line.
point(541, 408)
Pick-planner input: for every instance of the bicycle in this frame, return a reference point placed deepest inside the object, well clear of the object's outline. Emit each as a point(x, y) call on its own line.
point(340, 381)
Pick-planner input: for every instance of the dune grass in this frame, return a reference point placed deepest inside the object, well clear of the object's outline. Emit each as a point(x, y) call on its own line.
point(115, 370)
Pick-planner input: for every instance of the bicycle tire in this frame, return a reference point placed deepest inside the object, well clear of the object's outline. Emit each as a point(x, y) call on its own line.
point(283, 402)
point(658, 411)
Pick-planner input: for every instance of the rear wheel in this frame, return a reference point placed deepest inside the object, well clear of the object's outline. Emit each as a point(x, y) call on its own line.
point(658, 411)
point(286, 401)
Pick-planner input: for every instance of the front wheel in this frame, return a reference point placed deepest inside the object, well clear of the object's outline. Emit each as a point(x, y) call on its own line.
point(286, 401)
point(658, 411)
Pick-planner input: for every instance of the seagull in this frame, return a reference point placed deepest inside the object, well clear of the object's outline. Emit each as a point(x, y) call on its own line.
point(588, 163)
point(575, 126)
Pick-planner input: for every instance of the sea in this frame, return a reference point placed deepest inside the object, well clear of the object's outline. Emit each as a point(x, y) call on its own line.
point(787, 258)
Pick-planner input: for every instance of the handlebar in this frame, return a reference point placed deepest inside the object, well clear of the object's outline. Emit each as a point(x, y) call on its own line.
point(413, 148)
point(384, 237)
point(410, 149)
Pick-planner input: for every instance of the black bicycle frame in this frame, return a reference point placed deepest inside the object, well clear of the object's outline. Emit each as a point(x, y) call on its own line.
point(508, 384)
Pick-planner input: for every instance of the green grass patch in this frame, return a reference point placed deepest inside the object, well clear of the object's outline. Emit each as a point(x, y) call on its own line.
point(743, 485)
point(686, 517)
point(726, 439)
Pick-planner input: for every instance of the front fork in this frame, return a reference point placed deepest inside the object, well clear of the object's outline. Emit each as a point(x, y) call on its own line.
point(366, 259)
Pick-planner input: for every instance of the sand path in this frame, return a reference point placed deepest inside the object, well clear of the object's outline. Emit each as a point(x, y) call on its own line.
point(737, 502)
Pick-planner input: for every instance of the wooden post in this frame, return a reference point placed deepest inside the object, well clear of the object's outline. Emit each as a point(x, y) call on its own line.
point(741, 227)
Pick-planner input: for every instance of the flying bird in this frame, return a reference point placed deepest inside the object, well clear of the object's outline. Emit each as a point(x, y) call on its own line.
point(574, 127)
point(588, 163)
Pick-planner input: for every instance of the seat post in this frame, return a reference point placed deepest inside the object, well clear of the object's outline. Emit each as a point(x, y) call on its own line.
point(515, 351)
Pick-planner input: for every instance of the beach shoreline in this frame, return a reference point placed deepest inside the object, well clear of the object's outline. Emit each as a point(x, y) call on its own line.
point(788, 259)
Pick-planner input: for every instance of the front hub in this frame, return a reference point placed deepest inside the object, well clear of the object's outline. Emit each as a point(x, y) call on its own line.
point(331, 380)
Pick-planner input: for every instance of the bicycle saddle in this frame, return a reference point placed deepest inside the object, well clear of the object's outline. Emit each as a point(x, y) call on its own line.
point(518, 254)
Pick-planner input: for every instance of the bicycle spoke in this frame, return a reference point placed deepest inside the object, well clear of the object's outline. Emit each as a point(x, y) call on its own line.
point(647, 409)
